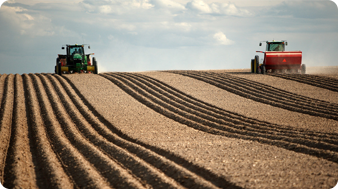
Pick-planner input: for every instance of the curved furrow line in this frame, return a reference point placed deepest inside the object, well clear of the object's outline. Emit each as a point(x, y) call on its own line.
point(81, 171)
point(52, 173)
point(254, 96)
point(128, 166)
point(128, 149)
point(284, 94)
point(202, 117)
point(270, 91)
point(6, 113)
point(271, 88)
point(204, 125)
point(2, 86)
point(192, 100)
point(136, 166)
point(189, 105)
point(314, 80)
point(19, 170)
point(223, 114)
point(73, 127)
point(273, 97)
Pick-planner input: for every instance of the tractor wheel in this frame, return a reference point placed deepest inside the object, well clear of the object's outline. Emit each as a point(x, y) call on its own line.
point(263, 69)
point(59, 69)
point(95, 65)
point(303, 68)
point(252, 65)
point(56, 65)
point(257, 63)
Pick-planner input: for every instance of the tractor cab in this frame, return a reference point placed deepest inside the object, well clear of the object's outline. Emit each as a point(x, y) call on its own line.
point(75, 54)
point(275, 45)
point(76, 50)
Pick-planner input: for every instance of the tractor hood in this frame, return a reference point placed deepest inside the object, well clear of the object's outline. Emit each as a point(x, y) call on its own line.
point(77, 56)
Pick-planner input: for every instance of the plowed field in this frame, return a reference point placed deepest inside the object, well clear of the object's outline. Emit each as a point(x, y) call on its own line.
point(170, 129)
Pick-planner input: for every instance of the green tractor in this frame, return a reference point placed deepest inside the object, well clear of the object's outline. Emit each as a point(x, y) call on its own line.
point(75, 61)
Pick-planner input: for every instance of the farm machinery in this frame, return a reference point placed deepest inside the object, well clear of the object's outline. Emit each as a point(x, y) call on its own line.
point(277, 60)
point(75, 60)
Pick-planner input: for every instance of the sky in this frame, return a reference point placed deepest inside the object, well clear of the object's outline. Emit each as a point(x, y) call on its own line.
point(146, 35)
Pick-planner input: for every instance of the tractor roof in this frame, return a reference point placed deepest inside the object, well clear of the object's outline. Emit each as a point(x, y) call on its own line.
point(76, 45)
point(276, 41)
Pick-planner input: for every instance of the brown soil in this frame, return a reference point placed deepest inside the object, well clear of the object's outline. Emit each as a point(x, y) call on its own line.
point(182, 129)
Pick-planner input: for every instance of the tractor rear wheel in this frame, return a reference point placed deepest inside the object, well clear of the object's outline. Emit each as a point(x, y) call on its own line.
point(303, 68)
point(257, 63)
point(56, 65)
point(95, 65)
point(59, 69)
point(252, 65)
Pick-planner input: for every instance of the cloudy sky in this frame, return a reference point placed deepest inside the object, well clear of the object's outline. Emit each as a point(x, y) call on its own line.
point(142, 35)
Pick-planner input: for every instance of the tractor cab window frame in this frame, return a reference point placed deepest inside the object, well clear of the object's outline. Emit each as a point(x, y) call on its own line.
point(275, 47)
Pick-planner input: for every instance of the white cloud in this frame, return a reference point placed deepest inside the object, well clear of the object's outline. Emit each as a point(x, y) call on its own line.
point(199, 5)
point(167, 4)
point(105, 9)
point(183, 26)
point(229, 9)
point(115, 6)
point(222, 39)
point(28, 24)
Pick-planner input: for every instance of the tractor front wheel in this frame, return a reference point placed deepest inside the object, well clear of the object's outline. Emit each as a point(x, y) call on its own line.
point(263, 69)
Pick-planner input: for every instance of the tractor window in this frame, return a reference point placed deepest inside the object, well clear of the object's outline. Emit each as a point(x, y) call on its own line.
point(75, 50)
point(275, 47)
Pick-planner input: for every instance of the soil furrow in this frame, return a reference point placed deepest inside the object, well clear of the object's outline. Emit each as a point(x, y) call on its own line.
point(102, 152)
point(271, 91)
point(204, 125)
point(290, 96)
point(223, 114)
point(234, 128)
point(49, 170)
point(314, 80)
point(161, 165)
point(290, 86)
point(19, 170)
point(267, 100)
point(149, 174)
point(2, 86)
point(268, 87)
point(82, 172)
point(181, 171)
point(177, 99)
point(6, 113)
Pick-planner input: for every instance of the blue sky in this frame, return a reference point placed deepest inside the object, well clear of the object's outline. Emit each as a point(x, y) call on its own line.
point(143, 35)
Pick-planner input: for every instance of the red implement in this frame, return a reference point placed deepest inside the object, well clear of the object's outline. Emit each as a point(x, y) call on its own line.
point(283, 60)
